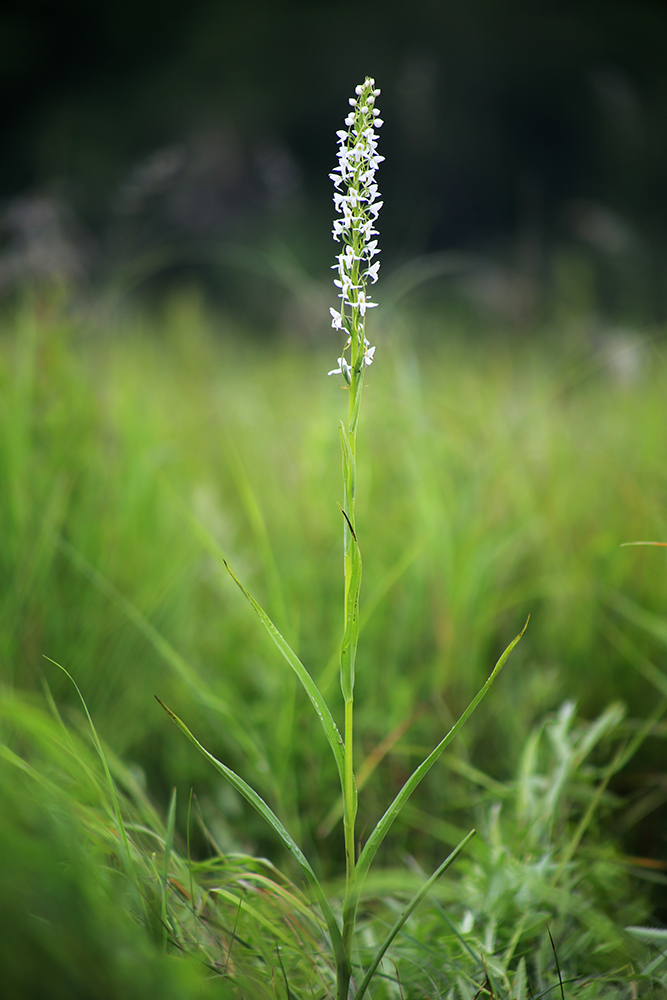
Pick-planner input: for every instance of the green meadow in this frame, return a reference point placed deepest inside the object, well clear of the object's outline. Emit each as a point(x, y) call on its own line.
point(499, 475)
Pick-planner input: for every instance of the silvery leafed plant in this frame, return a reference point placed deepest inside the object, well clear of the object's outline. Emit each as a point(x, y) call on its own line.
point(357, 202)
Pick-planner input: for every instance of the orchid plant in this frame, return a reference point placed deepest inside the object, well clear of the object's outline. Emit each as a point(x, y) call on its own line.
point(357, 203)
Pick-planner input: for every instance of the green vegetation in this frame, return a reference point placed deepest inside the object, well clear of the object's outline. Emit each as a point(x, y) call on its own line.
point(494, 481)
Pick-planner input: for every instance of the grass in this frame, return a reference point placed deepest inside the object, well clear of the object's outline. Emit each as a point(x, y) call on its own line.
point(494, 481)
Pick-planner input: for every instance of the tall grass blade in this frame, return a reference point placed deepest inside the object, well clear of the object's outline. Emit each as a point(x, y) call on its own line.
point(290, 995)
point(110, 782)
point(245, 907)
point(520, 981)
point(168, 844)
point(193, 901)
point(414, 902)
point(255, 800)
point(560, 978)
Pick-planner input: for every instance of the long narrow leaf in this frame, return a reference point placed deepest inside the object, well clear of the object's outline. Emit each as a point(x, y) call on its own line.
point(168, 845)
point(122, 831)
point(258, 803)
point(370, 605)
point(384, 824)
point(309, 685)
point(414, 902)
point(243, 906)
point(520, 981)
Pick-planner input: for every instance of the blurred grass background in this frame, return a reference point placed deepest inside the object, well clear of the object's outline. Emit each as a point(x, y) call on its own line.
point(496, 481)
point(164, 253)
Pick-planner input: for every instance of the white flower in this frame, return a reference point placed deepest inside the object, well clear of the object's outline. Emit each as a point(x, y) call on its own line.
point(366, 229)
point(343, 369)
point(356, 200)
point(346, 286)
point(336, 321)
point(363, 303)
point(372, 272)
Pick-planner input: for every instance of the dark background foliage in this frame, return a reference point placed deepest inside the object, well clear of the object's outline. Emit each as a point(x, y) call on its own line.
point(511, 128)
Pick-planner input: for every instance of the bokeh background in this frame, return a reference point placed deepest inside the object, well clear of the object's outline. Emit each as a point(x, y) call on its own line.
point(143, 140)
point(165, 254)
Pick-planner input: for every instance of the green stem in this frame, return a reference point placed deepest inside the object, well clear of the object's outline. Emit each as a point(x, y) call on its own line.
point(343, 981)
point(352, 562)
point(349, 821)
point(350, 797)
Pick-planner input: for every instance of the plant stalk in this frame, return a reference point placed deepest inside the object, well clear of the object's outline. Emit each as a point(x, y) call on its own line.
point(352, 563)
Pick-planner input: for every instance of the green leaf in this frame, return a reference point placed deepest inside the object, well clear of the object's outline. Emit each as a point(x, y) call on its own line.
point(518, 991)
point(122, 831)
point(309, 685)
point(654, 935)
point(385, 823)
point(258, 803)
point(414, 902)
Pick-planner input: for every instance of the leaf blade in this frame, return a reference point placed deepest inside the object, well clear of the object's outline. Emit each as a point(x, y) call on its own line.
point(310, 687)
point(414, 902)
point(384, 824)
point(258, 803)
